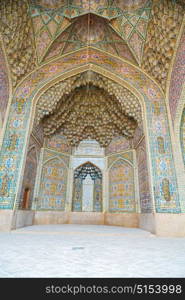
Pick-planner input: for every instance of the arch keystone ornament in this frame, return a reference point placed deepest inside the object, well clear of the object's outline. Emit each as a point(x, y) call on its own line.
point(118, 71)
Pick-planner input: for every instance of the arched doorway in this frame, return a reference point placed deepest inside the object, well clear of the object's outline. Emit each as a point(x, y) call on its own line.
point(26, 198)
point(87, 188)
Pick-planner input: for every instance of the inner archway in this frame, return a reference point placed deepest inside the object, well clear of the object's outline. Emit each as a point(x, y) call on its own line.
point(87, 188)
point(87, 107)
point(151, 100)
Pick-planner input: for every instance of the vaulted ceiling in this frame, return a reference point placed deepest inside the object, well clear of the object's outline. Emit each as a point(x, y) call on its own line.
point(89, 106)
point(97, 6)
point(143, 32)
point(89, 30)
point(114, 26)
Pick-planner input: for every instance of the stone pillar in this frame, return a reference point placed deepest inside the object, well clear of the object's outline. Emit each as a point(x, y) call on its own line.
point(38, 180)
point(179, 149)
point(69, 194)
point(136, 183)
point(105, 188)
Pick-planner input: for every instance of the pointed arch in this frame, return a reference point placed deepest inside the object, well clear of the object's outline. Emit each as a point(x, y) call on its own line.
point(53, 185)
point(121, 158)
point(55, 158)
point(29, 178)
point(121, 187)
point(182, 135)
point(146, 204)
point(88, 163)
point(177, 75)
point(179, 146)
point(5, 88)
point(87, 194)
point(151, 97)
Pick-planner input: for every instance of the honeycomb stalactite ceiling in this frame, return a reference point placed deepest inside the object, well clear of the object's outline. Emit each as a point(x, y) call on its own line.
point(90, 113)
point(53, 4)
point(163, 30)
point(92, 5)
point(88, 168)
point(89, 106)
point(18, 38)
point(144, 32)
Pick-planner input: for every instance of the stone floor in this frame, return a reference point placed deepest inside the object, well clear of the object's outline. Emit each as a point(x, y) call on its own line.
point(89, 251)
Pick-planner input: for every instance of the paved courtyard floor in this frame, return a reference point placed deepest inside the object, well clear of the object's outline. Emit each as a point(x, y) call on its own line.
point(89, 251)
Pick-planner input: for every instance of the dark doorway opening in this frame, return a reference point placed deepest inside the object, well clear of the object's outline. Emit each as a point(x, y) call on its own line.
point(26, 196)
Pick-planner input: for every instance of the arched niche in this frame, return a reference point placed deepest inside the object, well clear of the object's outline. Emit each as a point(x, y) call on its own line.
point(143, 179)
point(1, 122)
point(179, 147)
point(53, 185)
point(121, 187)
point(29, 179)
point(87, 188)
point(182, 135)
point(5, 89)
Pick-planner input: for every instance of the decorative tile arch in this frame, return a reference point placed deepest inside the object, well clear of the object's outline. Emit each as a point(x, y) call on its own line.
point(29, 176)
point(124, 73)
point(55, 157)
point(120, 157)
point(182, 135)
point(176, 98)
point(179, 146)
point(177, 77)
point(53, 185)
point(143, 178)
point(179, 120)
point(4, 86)
point(121, 187)
point(80, 174)
point(1, 121)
